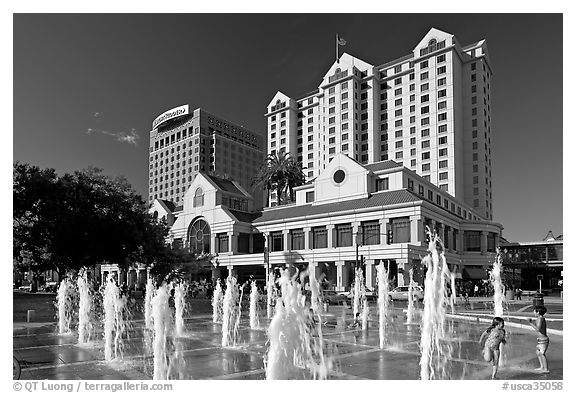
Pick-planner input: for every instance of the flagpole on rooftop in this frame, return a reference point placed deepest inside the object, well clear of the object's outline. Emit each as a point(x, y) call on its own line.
point(337, 44)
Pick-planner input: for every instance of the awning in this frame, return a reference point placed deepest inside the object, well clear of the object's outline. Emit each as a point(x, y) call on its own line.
point(474, 273)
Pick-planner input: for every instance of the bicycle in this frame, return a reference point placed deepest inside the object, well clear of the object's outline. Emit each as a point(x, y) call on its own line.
point(16, 369)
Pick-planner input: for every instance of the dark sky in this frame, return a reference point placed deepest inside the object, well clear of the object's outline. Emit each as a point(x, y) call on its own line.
point(87, 86)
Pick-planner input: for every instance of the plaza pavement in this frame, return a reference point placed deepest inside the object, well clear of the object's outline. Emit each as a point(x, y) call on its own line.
point(44, 354)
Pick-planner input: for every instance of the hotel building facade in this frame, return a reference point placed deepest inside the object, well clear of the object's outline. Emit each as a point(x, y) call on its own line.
point(350, 215)
point(429, 110)
point(184, 143)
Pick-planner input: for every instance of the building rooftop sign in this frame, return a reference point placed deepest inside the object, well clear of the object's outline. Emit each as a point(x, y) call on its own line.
point(170, 114)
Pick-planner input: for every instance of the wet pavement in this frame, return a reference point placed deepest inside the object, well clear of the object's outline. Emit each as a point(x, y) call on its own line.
point(355, 354)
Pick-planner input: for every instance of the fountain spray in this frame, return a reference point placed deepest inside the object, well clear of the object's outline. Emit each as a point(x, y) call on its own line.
point(410, 313)
point(432, 345)
point(292, 349)
point(229, 312)
point(382, 277)
point(148, 303)
point(499, 290)
point(217, 303)
point(85, 308)
point(180, 289)
point(254, 295)
point(270, 294)
point(64, 302)
point(162, 318)
point(114, 321)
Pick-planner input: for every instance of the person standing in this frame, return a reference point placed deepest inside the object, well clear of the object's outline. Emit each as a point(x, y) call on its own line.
point(542, 340)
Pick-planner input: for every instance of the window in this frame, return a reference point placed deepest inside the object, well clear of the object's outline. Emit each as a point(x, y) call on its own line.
point(343, 235)
point(424, 110)
point(425, 167)
point(398, 81)
point(443, 140)
point(319, 237)
point(426, 155)
point(441, 70)
point(472, 240)
point(442, 93)
point(442, 116)
point(424, 98)
point(398, 102)
point(443, 176)
point(400, 230)
point(222, 242)
point(398, 112)
point(443, 128)
point(399, 155)
point(382, 184)
point(424, 87)
point(398, 91)
point(398, 134)
point(441, 81)
point(441, 58)
point(424, 121)
point(398, 123)
point(297, 237)
point(370, 231)
point(443, 152)
point(425, 144)
point(424, 64)
point(398, 144)
point(424, 76)
point(199, 236)
point(198, 197)
point(277, 243)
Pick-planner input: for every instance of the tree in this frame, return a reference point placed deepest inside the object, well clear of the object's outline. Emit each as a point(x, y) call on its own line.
point(80, 220)
point(280, 172)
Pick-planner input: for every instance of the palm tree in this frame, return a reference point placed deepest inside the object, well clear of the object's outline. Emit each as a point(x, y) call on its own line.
point(279, 172)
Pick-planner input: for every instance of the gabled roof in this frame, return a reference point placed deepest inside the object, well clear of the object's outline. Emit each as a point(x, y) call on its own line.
point(244, 216)
point(375, 200)
point(225, 185)
point(169, 204)
point(382, 165)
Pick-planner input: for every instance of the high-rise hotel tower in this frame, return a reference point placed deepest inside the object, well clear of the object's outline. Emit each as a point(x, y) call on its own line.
point(183, 143)
point(429, 110)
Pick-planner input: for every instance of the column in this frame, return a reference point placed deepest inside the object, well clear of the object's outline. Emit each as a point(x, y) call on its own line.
point(330, 235)
point(286, 239)
point(416, 230)
point(307, 242)
point(450, 239)
point(460, 240)
point(232, 242)
point(355, 231)
point(231, 271)
point(370, 273)
point(251, 244)
point(341, 272)
point(214, 243)
point(402, 265)
point(385, 226)
point(483, 242)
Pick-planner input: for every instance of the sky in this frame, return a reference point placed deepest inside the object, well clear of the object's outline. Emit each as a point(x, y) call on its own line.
point(86, 87)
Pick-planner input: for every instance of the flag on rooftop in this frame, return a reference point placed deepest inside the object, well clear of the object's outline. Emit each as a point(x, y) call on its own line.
point(341, 41)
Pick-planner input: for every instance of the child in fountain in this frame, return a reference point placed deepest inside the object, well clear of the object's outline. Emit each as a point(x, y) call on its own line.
point(542, 340)
point(491, 340)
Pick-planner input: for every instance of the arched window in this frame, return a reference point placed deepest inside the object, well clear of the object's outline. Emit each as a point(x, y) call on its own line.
point(198, 197)
point(338, 70)
point(432, 42)
point(199, 237)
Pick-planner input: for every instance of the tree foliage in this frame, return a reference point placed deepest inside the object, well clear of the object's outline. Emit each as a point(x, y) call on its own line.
point(280, 172)
point(80, 220)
